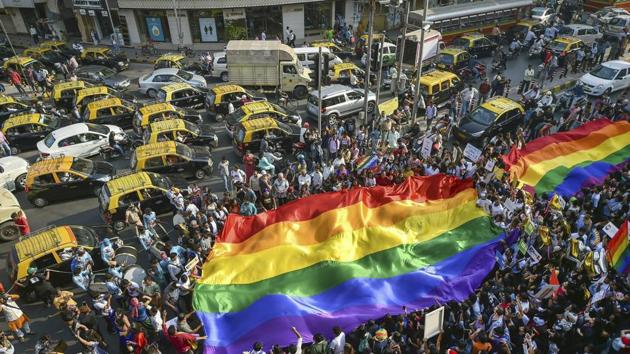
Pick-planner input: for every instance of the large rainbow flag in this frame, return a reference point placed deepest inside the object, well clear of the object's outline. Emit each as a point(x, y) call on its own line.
point(617, 250)
point(566, 162)
point(339, 259)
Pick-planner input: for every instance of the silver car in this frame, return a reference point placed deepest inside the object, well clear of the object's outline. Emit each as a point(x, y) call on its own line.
point(151, 83)
point(339, 101)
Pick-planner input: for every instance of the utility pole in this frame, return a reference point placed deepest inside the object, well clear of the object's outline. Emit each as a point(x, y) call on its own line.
point(417, 97)
point(111, 21)
point(369, 59)
point(401, 49)
point(180, 36)
point(380, 73)
point(319, 91)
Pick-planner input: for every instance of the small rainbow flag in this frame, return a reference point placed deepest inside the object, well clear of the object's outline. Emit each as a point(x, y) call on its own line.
point(366, 163)
point(617, 250)
point(342, 258)
point(566, 162)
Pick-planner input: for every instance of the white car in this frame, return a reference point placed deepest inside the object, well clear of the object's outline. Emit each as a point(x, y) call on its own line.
point(151, 83)
point(609, 77)
point(542, 14)
point(79, 140)
point(605, 15)
point(588, 34)
point(13, 173)
point(219, 66)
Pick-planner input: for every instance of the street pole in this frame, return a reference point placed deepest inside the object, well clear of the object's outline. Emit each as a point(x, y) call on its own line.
point(416, 100)
point(319, 92)
point(111, 22)
point(401, 49)
point(380, 73)
point(369, 59)
point(6, 35)
point(179, 25)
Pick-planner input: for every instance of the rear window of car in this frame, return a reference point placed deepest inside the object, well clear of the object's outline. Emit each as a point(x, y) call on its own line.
point(101, 129)
point(49, 140)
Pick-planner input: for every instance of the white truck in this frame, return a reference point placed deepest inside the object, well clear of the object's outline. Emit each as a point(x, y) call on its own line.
point(266, 66)
point(432, 46)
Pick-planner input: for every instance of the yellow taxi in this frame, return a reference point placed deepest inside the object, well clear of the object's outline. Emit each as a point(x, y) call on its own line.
point(520, 29)
point(64, 93)
point(476, 44)
point(493, 117)
point(162, 111)
point(62, 47)
point(111, 110)
point(181, 94)
point(65, 178)
point(25, 130)
point(334, 48)
point(261, 109)
point(438, 85)
point(169, 61)
point(565, 45)
point(46, 56)
point(20, 64)
point(149, 190)
point(453, 59)
point(181, 131)
point(104, 56)
point(362, 43)
point(10, 106)
point(219, 98)
point(173, 158)
point(249, 134)
point(52, 248)
point(90, 94)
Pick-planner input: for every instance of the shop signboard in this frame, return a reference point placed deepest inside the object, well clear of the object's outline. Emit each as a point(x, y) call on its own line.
point(154, 26)
point(208, 29)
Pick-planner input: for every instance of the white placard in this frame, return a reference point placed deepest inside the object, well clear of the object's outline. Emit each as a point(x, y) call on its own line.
point(427, 144)
point(490, 165)
point(610, 229)
point(433, 323)
point(562, 202)
point(534, 255)
point(472, 153)
point(208, 29)
point(546, 291)
point(510, 205)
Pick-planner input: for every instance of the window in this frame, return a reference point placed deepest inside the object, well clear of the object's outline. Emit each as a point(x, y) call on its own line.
point(129, 199)
point(258, 135)
point(160, 78)
point(45, 261)
point(104, 112)
point(221, 60)
point(317, 15)
point(89, 137)
point(622, 74)
point(444, 85)
point(435, 88)
point(289, 69)
point(153, 162)
point(354, 96)
point(44, 179)
point(333, 101)
point(69, 141)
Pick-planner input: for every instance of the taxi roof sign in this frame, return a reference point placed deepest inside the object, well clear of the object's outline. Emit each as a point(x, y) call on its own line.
point(105, 103)
point(167, 125)
point(170, 57)
point(257, 106)
point(501, 104)
point(15, 121)
point(260, 123)
point(49, 165)
point(175, 87)
point(223, 89)
point(157, 108)
point(44, 241)
point(155, 149)
point(129, 183)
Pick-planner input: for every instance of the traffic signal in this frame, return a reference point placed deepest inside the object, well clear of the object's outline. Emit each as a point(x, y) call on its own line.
point(317, 67)
point(325, 69)
point(374, 58)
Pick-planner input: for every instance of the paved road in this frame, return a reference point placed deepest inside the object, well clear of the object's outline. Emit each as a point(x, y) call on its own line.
point(84, 211)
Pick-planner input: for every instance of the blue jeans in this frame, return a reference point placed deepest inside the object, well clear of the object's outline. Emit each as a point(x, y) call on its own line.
point(5, 148)
point(226, 183)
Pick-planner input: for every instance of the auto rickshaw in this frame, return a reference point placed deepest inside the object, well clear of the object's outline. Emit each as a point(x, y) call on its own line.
point(219, 97)
point(174, 158)
point(111, 110)
point(10, 106)
point(181, 131)
point(334, 48)
point(25, 130)
point(64, 93)
point(162, 111)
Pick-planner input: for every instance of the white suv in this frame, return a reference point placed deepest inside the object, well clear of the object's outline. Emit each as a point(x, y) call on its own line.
point(339, 101)
point(609, 77)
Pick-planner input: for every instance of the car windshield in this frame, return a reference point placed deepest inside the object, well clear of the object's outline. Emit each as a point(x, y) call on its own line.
point(191, 127)
point(184, 75)
point(49, 121)
point(160, 181)
point(237, 115)
point(184, 151)
point(83, 166)
point(101, 129)
point(84, 236)
point(461, 42)
point(49, 140)
point(538, 11)
point(558, 46)
point(604, 72)
point(106, 72)
point(483, 116)
point(447, 59)
point(566, 31)
point(618, 21)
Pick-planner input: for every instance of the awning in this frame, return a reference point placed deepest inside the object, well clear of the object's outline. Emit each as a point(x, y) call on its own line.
point(204, 4)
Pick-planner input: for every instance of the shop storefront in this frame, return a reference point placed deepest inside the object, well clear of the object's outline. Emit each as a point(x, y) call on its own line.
point(266, 19)
point(93, 20)
point(153, 26)
point(206, 26)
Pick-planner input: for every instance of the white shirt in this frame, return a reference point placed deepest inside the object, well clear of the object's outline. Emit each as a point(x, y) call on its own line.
point(338, 343)
point(302, 180)
point(192, 208)
point(484, 204)
point(11, 310)
point(497, 209)
point(317, 178)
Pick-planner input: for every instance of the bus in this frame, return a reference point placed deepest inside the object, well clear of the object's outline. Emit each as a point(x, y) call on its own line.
point(479, 16)
point(596, 5)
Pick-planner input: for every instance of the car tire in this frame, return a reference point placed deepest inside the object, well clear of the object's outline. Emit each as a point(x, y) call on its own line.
point(119, 226)
point(14, 150)
point(200, 174)
point(20, 182)
point(152, 93)
point(9, 231)
point(39, 202)
point(225, 77)
point(300, 92)
point(333, 120)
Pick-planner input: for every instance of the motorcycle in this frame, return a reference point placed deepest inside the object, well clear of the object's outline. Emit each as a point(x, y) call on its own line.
point(535, 51)
point(466, 74)
point(108, 152)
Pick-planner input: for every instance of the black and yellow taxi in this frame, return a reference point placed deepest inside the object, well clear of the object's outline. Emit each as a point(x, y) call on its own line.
point(520, 29)
point(44, 55)
point(173, 158)
point(162, 111)
point(476, 44)
point(342, 53)
point(111, 110)
point(564, 45)
point(104, 56)
point(181, 94)
point(340, 73)
point(261, 109)
point(180, 131)
point(453, 59)
point(495, 116)
point(52, 248)
point(249, 134)
point(149, 190)
point(90, 94)
point(65, 178)
point(20, 64)
point(439, 85)
point(62, 47)
point(362, 42)
point(169, 60)
point(10, 106)
point(25, 130)
point(219, 98)
point(64, 93)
